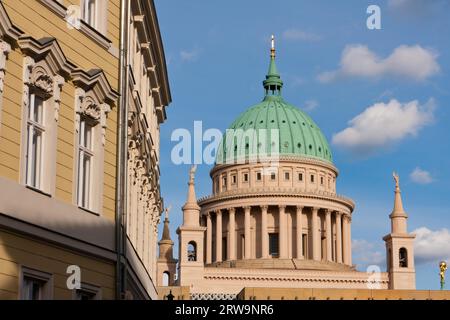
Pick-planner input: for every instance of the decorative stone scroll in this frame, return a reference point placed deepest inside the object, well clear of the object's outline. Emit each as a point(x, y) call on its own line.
point(5, 49)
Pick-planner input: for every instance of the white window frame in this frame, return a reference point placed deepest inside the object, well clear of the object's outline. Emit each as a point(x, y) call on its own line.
point(34, 177)
point(29, 274)
point(40, 80)
point(98, 18)
point(84, 189)
point(95, 291)
point(90, 12)
point(90, 108)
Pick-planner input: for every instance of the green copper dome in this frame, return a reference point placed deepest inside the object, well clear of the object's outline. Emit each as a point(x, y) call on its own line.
point(271, 127)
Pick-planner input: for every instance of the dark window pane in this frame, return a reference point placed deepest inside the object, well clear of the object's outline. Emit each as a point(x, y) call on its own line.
point(273, 244)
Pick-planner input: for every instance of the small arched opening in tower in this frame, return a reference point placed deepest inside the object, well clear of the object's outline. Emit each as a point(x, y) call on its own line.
point(403, 258)
point(192, 251)
point(166, 279)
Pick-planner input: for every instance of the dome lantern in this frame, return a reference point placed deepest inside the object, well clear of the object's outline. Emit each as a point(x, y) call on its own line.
point(273, 83)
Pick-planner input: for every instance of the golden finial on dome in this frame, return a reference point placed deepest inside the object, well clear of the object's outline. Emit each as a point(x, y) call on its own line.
point(272, 49)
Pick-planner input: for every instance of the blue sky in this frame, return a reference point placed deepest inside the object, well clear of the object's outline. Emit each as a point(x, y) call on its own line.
point(218, 54)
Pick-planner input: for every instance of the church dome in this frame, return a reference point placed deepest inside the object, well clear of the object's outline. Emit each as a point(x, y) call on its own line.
point(271, 127)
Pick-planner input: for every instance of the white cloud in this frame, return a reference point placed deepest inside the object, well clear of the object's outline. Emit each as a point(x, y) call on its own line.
point(401, 3)
point(189, 55)
point(423, 9)
point(366, 253)
point(431, 246)
point(295, 81)
point(311, 105)
point(300, 35)
point(410, 62)
point(383, 124)
point(420, 176)
point(414, 4)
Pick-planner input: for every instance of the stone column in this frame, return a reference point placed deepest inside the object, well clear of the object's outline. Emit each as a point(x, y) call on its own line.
point(264, 234)
point(345, 239)
point(338, 238)
point(282, 233)
point(349, 239)
point(231, 234)
point(315, 234)
point(218, 235)
point(247, 245)
point(208, 238)
point(299, 233)
point(328, 234)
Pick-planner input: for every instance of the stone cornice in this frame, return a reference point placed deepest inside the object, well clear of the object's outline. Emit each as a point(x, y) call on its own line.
point(60, 10)
point(273, 192)
point(6, 27)
point(399, 236)
point(281, 158)
point(47, 47)
point(291, 275)
point(95, 79)
point(148, 28)
point(290, 279)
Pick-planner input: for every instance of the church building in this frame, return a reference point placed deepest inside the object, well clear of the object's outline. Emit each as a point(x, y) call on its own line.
point(274, 218)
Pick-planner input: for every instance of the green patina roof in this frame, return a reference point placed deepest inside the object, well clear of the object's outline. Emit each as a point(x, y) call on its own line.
point(295, 132)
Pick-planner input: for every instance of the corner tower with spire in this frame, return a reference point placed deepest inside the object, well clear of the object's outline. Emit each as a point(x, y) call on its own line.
point(166, 265)
point(191, 239)
point(400, 246)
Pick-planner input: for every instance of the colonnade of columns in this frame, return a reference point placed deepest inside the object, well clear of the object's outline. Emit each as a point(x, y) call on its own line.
point(325, 235)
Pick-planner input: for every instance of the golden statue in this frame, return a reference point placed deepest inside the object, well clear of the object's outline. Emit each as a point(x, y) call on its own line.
point(442, 270)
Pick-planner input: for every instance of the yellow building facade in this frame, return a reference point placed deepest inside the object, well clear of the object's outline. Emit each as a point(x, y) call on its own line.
point(60, 83)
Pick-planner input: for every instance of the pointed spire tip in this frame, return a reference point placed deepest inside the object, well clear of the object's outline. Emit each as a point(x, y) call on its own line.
point(272, 48)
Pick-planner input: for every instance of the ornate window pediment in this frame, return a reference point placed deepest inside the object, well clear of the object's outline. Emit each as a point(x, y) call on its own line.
point(93, 97)
point(45, 69)
point(47, 49)
point(8, 33)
